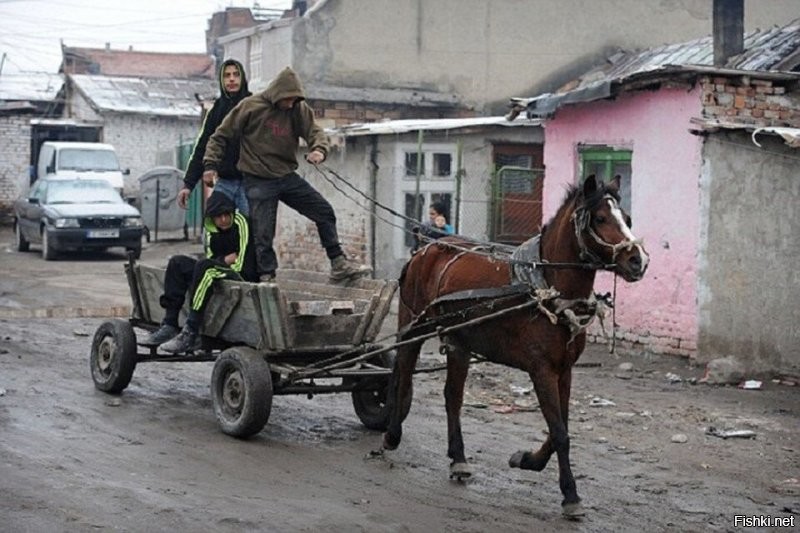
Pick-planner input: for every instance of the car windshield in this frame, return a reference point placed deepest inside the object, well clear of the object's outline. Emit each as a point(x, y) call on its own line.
point(87, 160)
point(82, 192)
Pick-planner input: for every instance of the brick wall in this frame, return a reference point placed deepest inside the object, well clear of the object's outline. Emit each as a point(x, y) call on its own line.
point(746, 100)
point(15, 157)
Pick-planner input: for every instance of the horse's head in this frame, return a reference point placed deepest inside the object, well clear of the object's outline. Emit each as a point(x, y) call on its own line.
point(604, 233)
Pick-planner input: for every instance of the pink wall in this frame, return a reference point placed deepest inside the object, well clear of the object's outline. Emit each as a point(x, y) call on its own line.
point(661, 310)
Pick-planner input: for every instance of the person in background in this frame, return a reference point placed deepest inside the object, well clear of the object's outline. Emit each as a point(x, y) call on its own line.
point(268, 126)
point(228, 255)
point(233, 89)
point(435, 227)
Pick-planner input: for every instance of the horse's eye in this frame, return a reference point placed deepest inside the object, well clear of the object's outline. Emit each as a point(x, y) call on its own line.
point(600, 219)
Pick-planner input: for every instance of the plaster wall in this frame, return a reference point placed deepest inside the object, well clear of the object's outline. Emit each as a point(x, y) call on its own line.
point(659, 311)
point(749, 297)
point(485, 50)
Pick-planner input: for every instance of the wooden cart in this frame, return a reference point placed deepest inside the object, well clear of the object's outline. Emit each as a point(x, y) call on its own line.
point(299, 335)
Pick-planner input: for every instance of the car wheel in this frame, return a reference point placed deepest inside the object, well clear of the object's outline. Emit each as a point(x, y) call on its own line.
point(48, 252)
point(22, 244)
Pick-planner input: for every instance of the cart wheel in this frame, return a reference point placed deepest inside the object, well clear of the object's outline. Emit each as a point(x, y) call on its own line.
point(113, 356)
point(241, 390)
point(370, 405)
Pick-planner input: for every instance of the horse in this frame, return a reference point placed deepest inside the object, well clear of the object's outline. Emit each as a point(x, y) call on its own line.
point(541, 330)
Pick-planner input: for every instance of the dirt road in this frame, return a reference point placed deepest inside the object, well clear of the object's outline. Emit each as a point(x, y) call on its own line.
point(75, 459)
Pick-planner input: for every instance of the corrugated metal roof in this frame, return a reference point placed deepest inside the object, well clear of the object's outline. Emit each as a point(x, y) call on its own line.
point(164, 97)
point(764, 51)
point(30, 86)
point(790, 135)
point(405, 126)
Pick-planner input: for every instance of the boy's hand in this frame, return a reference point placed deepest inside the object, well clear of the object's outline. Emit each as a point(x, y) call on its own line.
point(315, 157)
point(183, 197)
point(210, 177)
point(231, 258)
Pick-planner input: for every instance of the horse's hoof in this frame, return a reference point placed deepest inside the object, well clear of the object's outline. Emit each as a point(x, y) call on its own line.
point(516, 460)
point(460, 471)
point(572, 511)
point(388, 445)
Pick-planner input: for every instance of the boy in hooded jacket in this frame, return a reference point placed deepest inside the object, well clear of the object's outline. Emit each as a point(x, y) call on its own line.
point(228, 254)
point(267, 126)
point(233, 89)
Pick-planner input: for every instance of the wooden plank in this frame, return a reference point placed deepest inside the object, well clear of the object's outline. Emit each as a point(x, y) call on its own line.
point(220, 306)
point(322, 291)
point(358, 334)
point(380, 312)
point(321, 307)
point(324, 330)
point(322, 278)
point(151, 287)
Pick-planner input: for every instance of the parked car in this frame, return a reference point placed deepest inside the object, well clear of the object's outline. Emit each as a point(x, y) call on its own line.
point(76, 214)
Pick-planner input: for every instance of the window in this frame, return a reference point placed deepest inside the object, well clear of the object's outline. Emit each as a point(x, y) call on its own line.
point(412, 164)
point(426, 199)
point(605, 162)
point(442, 164)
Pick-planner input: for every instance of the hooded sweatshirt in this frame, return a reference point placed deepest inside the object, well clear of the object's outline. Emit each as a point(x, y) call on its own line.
point(222, 106)
point(236, 239)
point(268, 134)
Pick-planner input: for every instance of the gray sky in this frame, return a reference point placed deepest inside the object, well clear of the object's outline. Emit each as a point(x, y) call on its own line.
point(31, 30)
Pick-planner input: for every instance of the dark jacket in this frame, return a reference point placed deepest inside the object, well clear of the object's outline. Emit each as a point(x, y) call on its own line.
point(222, 106)
point(236, 239)
point(267, 134)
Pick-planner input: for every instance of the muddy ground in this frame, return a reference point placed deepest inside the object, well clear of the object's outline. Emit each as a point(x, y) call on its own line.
point(153, 459)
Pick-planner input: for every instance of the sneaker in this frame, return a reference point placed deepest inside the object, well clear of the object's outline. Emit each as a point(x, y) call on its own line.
point(186, 341)
point(160, 336)
point(266, 278)
point(343, 268)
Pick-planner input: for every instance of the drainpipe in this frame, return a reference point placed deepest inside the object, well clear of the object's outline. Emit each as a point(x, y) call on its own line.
point(373, 193)
point(728, 29)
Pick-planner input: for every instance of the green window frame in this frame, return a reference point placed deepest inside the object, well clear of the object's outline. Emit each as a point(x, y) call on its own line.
point(605, 162)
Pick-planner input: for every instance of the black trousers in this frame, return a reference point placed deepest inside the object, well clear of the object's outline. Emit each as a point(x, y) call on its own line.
point(184, 274)
point(263, 194)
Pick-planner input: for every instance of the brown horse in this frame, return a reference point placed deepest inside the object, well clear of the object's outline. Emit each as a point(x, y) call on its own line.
point(542, 331)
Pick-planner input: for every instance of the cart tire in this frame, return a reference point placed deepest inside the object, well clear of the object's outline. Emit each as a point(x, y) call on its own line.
point(22, 245)
point(113, 357)
point(241, 390)
point(370, 405)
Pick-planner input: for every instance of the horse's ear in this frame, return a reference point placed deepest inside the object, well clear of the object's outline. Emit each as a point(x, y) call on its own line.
point(615, 182)
point(589, 186)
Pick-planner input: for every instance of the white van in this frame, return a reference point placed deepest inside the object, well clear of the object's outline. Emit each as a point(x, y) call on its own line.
point(61, 159)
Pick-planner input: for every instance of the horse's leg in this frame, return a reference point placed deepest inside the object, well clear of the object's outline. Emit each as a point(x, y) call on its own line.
point(401, 392)
point(457, 369)
point(548, 383)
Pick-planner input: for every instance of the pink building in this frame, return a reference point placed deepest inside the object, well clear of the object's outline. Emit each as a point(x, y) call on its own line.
point(677, 130)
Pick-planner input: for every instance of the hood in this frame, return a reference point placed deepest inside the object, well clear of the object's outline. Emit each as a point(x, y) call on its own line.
point(120, 209)
point(219, 203)
point(243, 90)
point(285, 85)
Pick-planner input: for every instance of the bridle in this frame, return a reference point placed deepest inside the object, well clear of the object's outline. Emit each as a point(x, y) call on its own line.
point(581, 220)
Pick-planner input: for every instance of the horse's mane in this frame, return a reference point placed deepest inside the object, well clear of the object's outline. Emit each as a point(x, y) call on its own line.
point(574, 197)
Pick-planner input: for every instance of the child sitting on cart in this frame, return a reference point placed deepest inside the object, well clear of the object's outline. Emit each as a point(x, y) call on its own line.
point(229, 254)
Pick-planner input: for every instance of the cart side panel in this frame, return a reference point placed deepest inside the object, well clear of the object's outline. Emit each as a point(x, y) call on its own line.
point(324, 330)
point(151, 287)
point(305, 276)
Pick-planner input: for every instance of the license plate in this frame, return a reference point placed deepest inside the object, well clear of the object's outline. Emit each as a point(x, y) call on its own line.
point(102, 234)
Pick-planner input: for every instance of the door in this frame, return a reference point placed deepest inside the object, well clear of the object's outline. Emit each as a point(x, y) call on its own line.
point(517, 192)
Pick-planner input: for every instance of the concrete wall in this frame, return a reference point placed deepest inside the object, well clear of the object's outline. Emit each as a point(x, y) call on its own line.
point(15, 158)
point(661, 310)
point(484, 50)
point(749, 296)
point(353, 161)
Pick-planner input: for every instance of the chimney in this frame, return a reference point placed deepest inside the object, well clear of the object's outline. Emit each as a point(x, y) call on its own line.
point(728, 30)
point(108, 47)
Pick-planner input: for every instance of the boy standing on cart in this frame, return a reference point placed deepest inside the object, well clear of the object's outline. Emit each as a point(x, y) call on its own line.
point(228, 255)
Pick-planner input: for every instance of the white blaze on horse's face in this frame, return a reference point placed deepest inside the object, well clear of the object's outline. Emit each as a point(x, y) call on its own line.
point(616, 212)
